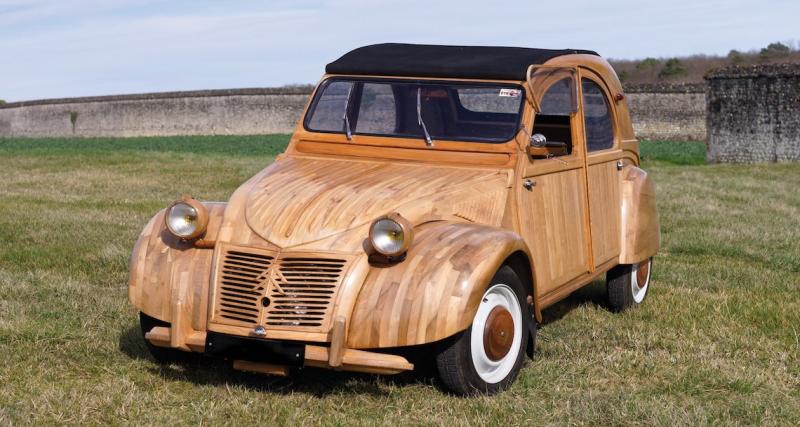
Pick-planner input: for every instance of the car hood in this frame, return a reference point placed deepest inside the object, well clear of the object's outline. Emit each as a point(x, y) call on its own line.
point(297, 200)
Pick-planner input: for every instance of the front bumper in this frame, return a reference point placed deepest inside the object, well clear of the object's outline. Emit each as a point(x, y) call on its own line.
point(276, 356)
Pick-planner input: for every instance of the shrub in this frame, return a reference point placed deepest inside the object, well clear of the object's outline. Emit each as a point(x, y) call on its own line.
point(672, 68)
point(735, 57)
point(775, 50)
point(647, 63)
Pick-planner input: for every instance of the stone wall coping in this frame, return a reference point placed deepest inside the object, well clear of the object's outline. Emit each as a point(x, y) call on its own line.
point(300, 90)
point(751, 71)
point(665, 88)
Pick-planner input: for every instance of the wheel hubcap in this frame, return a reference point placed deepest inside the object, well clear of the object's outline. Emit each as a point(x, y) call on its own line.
point(642, 273)
point(498, 334)
point(640, 280)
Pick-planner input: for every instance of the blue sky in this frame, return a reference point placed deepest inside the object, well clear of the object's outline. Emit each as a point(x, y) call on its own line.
point(60, 48)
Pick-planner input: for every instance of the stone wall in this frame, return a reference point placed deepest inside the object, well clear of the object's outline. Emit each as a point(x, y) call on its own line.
point(210, 112)
point(668, 112)
point(658, 112)
point(754, 114)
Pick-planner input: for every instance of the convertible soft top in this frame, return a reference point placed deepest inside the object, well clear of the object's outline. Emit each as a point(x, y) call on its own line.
point(468, 62)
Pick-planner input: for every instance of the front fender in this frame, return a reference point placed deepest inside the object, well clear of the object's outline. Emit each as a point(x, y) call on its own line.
point(169, 278)
point(436, 291)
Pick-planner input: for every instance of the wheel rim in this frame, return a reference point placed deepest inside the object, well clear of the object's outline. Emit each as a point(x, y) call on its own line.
point(640, 280)
point(496, 334)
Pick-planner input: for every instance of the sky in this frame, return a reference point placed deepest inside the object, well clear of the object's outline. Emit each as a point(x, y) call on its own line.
point(60, 48)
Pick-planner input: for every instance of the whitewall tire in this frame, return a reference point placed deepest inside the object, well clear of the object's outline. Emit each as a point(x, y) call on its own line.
point(627, 284)
point(487, 357)
point(496, 333)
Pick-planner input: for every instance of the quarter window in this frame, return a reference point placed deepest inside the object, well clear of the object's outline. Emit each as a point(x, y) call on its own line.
point(599, 129)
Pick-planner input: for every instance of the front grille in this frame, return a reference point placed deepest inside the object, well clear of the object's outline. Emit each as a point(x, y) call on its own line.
point(308, 286)
point(287, 291)
point(240, 285)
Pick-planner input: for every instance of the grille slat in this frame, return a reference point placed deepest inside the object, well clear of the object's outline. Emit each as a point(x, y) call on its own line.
point(309, 284)
point(243, 274)
point(249, 255)
point(239, 313)
point(251, 284)
point(243, 305)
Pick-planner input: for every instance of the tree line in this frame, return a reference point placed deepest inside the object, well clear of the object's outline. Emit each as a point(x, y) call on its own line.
point(691, 69)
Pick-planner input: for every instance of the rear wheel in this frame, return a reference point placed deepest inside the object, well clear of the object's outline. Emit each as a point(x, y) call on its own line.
point(161, 354)
point(486, 358)
point(627, 284)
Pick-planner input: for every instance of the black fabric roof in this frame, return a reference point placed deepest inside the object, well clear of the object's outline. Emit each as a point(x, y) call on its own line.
point(469, 62)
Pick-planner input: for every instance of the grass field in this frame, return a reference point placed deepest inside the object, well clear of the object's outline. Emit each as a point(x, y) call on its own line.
point(717, 341)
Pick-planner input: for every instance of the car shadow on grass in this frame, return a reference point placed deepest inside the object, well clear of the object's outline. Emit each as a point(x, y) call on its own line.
point(201, 370)
point(593, 294)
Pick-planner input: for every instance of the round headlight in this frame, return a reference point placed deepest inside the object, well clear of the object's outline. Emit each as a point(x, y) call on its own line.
point(186, 218)
point(391, 235)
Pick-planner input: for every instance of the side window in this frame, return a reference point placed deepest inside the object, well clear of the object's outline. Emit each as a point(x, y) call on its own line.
point(329, 112)
point(554, 121)
point(599, 129)
point(377, 112)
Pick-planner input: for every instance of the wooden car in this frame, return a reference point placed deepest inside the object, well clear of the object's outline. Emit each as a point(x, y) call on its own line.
point(432, 197)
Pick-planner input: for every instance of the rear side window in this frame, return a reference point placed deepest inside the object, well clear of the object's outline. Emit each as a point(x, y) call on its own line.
point(599, 128)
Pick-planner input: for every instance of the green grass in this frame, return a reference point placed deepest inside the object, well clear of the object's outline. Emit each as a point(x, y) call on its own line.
point(674, 152)
point(237, 146)
point(717, 341)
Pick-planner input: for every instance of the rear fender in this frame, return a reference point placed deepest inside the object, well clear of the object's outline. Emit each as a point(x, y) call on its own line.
point(641, 236)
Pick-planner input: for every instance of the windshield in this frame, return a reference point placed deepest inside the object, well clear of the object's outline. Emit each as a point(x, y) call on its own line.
point(446, 110)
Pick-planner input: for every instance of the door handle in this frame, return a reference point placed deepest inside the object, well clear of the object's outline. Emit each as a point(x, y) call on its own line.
point(529, 184)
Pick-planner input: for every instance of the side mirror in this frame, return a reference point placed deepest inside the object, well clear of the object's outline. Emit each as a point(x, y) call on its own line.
point(538, 140)
point(540, 148)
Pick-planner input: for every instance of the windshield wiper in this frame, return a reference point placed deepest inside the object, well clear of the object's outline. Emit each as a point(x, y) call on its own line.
point(345, 117)
point(420, 122)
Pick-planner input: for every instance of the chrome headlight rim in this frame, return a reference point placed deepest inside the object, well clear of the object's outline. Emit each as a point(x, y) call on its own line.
point(378, 230)
point(200, 220)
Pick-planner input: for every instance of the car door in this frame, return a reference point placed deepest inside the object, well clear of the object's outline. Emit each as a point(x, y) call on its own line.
point(553, 206)
point(603, 171)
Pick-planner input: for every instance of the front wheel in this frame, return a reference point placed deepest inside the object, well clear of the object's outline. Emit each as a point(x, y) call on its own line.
point(627, 284)
point(486, 358)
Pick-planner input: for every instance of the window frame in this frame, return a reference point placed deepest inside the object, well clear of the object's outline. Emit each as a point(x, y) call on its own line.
point(578, 149)
point(469, 83)
point(600, 83)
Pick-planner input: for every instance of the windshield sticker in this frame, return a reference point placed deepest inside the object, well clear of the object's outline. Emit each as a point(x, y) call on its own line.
point(511, 93)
